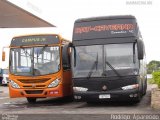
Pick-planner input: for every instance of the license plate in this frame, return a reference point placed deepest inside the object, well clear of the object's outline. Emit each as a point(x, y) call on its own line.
point(104, 96)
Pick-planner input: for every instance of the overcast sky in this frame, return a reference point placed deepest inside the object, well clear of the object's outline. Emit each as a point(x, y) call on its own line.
point(63, 13)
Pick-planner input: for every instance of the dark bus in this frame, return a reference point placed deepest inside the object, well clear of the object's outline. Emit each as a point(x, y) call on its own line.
point(108, 59)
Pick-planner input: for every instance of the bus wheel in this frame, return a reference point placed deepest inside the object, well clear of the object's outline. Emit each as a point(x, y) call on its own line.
point(91, 102)
point(145, 88)
point(68, 98)
point(31, 100)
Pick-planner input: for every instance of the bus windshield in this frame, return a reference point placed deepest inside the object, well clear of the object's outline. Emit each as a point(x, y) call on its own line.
point(35, 61)
point(110, 59)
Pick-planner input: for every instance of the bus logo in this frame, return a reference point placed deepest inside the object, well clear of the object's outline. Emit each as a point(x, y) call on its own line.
point(33, 85)
point(104, 87)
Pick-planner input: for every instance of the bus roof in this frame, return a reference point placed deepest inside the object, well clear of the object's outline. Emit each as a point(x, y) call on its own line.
point(105, 18)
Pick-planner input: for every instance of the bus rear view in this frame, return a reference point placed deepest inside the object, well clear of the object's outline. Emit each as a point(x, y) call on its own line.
point(108, 59)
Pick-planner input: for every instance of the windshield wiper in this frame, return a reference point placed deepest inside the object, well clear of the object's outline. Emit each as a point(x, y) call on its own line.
point(115, 71)
point(93, 66)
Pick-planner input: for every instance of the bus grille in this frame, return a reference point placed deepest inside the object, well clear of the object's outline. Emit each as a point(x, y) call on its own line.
point(34, 91)
point(36, 86)
point(33, 80)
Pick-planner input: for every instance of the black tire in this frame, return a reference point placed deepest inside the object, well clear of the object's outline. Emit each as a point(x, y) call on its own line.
point(145, 88)
point(68, 98)
point(31, 100)
point(91, 102)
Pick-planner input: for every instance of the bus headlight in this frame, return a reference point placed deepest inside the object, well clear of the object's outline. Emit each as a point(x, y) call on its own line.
point(129, 87)
point(13, 84)
point(81, 89)
point(54, 83)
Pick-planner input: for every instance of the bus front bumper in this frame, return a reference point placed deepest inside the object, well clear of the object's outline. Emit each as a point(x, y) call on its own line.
point(38, 93)
point(118, 95)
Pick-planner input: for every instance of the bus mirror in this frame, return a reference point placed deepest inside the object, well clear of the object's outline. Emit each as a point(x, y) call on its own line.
point(140, 48)
point(74, 55)
point(3, 56)
point(66, 55)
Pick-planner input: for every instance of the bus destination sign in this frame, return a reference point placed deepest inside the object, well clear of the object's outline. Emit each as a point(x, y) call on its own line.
point(35, 40)
point(104, 29)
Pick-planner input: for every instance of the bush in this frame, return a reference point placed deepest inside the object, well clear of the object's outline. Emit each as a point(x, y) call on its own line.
point(156, 77)
point(151, 81)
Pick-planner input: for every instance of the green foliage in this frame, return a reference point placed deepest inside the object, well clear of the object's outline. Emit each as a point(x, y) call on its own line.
point(151, 81)
point(156, 77)
point(153, 66)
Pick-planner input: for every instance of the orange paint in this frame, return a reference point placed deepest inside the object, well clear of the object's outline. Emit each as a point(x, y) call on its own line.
point(37, 86)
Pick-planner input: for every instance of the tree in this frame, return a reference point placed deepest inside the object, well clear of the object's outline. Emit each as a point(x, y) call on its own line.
point(153, 66)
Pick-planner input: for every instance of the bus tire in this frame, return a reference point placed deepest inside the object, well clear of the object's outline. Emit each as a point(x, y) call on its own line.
point(31, 100)
point(145, 87)
point(91, 102)
point(68, 98)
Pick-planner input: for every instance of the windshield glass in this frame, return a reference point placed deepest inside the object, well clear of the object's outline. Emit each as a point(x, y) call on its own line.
point(34, 61)
point(88, 59)
point(122, 57)
point(105, 60)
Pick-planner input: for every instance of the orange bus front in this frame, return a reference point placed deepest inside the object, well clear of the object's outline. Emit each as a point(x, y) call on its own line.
point(36, 71)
